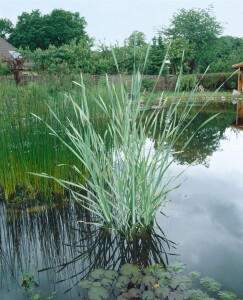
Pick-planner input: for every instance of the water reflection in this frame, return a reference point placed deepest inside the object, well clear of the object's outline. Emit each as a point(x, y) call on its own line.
point(50, 245)
point(205, 214)
point(204, 217)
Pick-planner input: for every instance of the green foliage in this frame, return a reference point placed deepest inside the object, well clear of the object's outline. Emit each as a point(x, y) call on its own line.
point(181, 54)
point(69, 59)
point(34, 30)
point(155, 282)
point(156, 56)
point(136, 39)
point(6, 28)
point(188, 82)
point(199, 27)
point(124, 188)
point(226, 51)
point(213, 81)
point(4, 70)
point(210, 284)
point(148, 84)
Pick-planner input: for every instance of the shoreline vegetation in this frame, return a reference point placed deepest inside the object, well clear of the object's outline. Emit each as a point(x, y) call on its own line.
point(27, 145)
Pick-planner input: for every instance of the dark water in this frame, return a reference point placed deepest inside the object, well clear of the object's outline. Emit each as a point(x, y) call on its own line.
point(47, 244)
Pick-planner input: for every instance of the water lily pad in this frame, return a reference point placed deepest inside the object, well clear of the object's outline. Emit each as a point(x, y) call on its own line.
point(124, 296)
point(97, 274)
point(130, 270)
point(148, 295)
point(180, 282)
point(162, 291)
point(134, 292)
point(226, 295)
point(106, 282)
point(177, 267)
point(96, 283)
point(98, 293)
point(85, 284)
point(135, 279)
point(148, 280)
point(122, 281)
point(195, 274)
point(110, 274)
point(175, 296)
point(210, 284)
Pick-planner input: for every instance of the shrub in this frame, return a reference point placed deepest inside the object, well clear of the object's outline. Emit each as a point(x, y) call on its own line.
point(188, 82)
point(213, 81)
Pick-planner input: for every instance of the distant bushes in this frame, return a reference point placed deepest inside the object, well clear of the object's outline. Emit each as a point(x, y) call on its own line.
point(213, 81)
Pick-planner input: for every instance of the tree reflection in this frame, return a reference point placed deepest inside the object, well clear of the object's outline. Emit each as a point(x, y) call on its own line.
point(206, 140)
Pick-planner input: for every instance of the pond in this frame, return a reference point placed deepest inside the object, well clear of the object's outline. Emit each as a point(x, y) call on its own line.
point(46, 245)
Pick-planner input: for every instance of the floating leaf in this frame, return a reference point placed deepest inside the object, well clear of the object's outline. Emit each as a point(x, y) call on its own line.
point(130, 270)
point(134, 292)
point(180, 282)
point(148, 280)
point(98, 293)
point(135, 280)
point(85, 284)
point(122, 281)
point(226, 295)
point(177, 266)
point(164, 278)
point(124, 296)
point(106, 282)
point(97, 273)
point(196, 295)
point(162, 291)
point(210, 284)
point(148, 295)
point(96, 283)
point(110, 274)
point(195, 274)
point(175, 296)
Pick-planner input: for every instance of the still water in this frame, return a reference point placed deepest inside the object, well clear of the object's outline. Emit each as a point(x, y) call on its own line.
point(204, 218)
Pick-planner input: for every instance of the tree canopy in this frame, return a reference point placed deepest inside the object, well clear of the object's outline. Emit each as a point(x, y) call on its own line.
point(34, 30)
point(199, 27)
point(6, 28)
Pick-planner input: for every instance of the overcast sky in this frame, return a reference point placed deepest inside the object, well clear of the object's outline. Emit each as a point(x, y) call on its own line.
point(114, 20)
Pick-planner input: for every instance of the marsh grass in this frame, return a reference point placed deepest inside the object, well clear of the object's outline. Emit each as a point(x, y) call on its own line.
point(26, 144)
point(126, 184)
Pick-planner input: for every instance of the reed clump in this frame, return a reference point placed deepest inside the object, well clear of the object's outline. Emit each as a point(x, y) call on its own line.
point(126, 183)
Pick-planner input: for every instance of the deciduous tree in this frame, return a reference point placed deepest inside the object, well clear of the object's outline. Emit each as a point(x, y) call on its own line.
point(6, 27)
point(199, 27)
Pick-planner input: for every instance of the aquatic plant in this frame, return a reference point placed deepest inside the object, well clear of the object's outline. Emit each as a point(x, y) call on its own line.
point(154, 282)
point(126, 184)
point(26, 144)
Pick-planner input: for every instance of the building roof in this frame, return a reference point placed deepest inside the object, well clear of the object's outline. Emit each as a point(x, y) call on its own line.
point(237, 66)
point(5, 47)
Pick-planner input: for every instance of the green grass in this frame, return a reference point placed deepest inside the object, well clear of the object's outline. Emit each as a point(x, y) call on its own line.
point(26, 144)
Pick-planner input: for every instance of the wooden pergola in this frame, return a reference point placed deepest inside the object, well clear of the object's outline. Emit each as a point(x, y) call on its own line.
point(240, 76)
point(239, 110)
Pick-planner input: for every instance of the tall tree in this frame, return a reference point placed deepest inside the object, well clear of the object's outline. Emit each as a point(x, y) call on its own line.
point(30, 31)
point(34, 30)
point(199, 27)
point(64, 26)
point(6, 27)
point(136, 39)
point(156, 56)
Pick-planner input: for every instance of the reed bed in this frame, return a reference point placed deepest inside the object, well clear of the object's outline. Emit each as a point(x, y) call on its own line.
point(26, 144)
